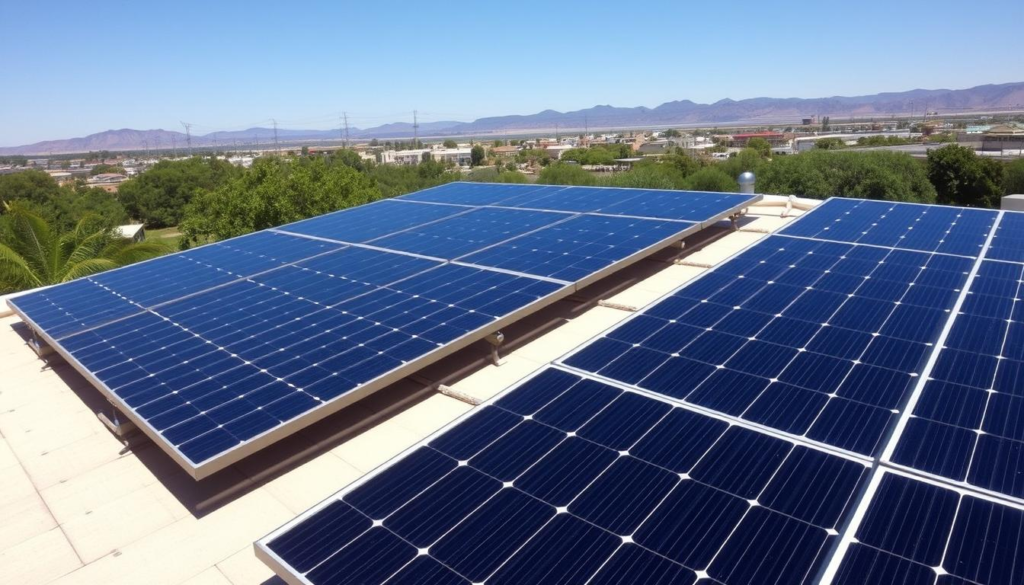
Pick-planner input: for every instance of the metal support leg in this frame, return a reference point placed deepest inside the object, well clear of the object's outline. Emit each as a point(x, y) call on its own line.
point(732, 220)
point(496, 339)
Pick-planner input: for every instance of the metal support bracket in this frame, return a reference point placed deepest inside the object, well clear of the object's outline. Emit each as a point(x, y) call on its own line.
point(496, 339)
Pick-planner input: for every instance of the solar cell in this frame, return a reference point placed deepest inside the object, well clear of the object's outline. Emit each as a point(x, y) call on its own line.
point(918, 532)
point(818, 339)
point(218, 351)
point(524, 489)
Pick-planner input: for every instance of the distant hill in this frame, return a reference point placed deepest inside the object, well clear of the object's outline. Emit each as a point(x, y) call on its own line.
point(683, 112)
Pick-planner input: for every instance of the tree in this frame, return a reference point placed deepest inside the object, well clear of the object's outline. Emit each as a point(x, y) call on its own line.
point(105, 168)
point(511, 177)
point(671, 133)
point(565, 174)
point(890, 176)
point(158, 196)
point(305, 151)
point(450, 143)
point(829, 144)
point(825, 125)
point(762, 146)
point(745, 160)
point(33, 254)
point(274, 192)
point(499, 143)
point(1013, 178)
point(62, 206)
point(712, 179)
point(961, 177)
point(476, 155)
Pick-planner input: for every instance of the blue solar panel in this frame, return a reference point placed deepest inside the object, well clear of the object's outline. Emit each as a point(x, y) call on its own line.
point(368, 222)
point(817, 339)
point(916, 533)
point(928, 228)
point(214, 347)
point(91, 301)
point(576, 248)
point(1008, 240)
point(568, 480)
point(217, 369)
point(468, 232)
point(966, 424)
point(652, 203)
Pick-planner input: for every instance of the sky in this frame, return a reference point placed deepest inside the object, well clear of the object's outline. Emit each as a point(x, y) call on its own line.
point(74, 68)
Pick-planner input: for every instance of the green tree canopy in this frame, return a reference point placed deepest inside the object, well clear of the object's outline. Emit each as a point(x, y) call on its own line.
point(761, 146)
point(274, 192)
point(961, 177)
point(477, 155)
point(560, 173)
point(829, 143)
point(450, 143)
point(61, 206)
point(33, 254)
point(158, 196)
point(712, 179)
point(1013, 178)
point(892, 176)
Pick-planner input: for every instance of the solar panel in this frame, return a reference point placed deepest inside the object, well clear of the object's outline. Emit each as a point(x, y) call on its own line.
point(219, 351)
point(965, 425)
point(917, 532)
point(928, 228)
point(650, 203)
point(817, 339)
point(565, 479)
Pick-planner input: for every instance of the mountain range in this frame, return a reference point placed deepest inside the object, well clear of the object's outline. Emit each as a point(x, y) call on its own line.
point(762, 110)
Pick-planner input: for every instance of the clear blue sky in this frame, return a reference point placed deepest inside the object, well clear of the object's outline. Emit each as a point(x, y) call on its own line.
point(74, 68)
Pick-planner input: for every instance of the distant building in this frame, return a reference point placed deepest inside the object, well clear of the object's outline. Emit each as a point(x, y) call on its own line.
point(741, 140)
point(109, 182)
point(135, 232)
point(457, 156)
point(556, 151)
point(505, 151)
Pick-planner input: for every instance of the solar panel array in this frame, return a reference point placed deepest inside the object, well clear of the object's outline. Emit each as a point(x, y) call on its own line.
point(837, 403)
point(569, 480)
point(218, 351)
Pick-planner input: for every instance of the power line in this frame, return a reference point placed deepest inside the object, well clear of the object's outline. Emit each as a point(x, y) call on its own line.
point(277, 146)
point(345, 114)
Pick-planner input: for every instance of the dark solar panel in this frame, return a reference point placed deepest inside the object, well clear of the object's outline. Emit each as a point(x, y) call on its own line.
point(917, 532)
point(211, 349)
point(576, 248)
point(928, 228)
point(567, 480)
point(817, 339)
point(214, 371)
point(966, 425)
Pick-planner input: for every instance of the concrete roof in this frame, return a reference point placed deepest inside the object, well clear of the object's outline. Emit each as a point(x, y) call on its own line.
point(78, 506)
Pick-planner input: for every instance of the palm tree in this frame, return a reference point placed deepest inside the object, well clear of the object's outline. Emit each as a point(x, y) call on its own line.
point(32, 255)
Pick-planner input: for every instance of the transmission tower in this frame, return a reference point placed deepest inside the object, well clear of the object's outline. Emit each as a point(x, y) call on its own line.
point(188, 136)
point(277, 146)
point(415, 131)
point(345, 115)
point(174, 145)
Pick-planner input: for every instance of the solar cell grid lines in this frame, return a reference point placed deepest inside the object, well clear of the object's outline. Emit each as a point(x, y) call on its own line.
point(218, 351)
point(966, 424)
point(919, 532)
point(566, 479)
point(927, 228)
point(816, 339)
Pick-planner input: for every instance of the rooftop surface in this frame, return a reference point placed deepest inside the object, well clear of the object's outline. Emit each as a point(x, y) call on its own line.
point(81, 507)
